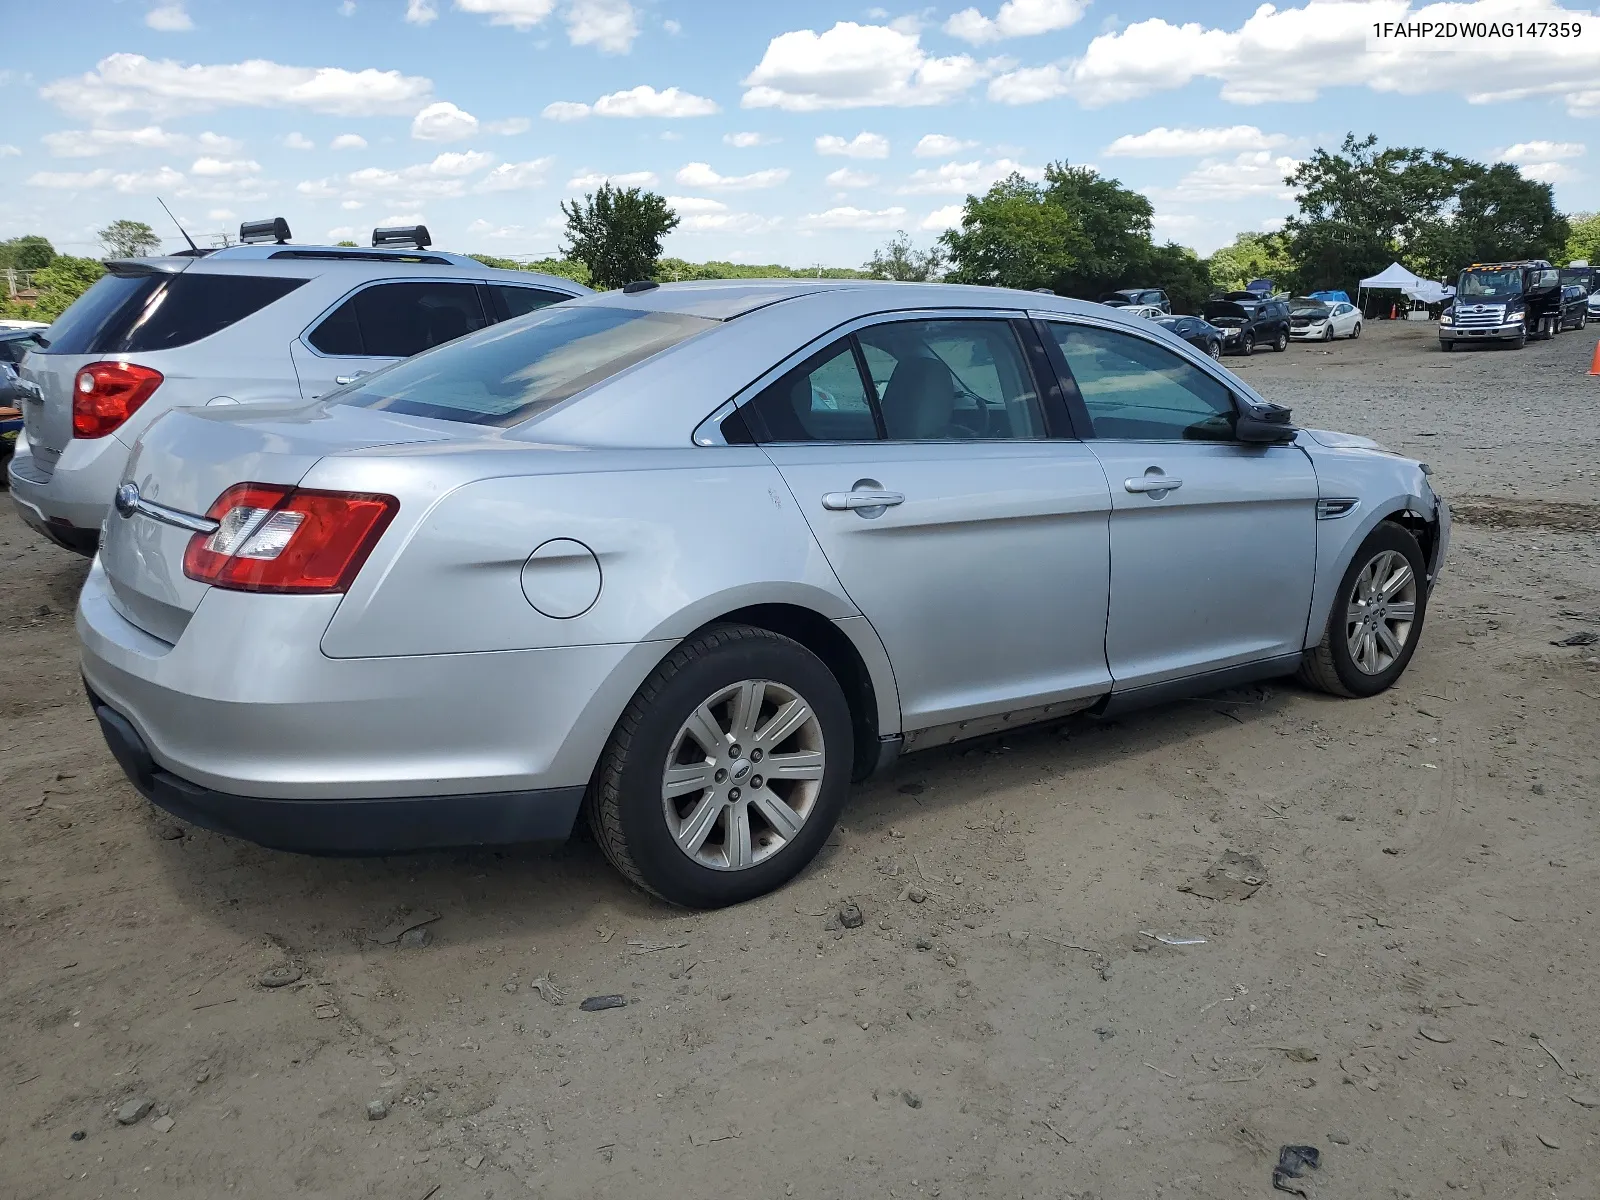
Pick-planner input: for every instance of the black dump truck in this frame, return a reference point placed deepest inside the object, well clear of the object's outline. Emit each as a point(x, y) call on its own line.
point(1503, 302)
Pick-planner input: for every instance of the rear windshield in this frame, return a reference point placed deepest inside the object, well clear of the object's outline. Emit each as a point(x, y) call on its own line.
point(510, 372)
point(132, 314)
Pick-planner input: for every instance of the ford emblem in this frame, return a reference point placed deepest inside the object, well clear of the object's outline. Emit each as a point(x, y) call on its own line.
point(127, 500)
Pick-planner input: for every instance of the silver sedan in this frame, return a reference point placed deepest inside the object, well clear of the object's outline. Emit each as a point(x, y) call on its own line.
point(687, 560)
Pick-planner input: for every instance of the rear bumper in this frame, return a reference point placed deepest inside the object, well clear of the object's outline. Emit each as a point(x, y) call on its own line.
point(365, 826)
point(68, 504)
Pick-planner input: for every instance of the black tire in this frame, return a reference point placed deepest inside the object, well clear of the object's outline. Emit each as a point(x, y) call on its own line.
point(625, 805)
point(1356, 332)
point(1247, 344)
point(1522, 339)
point(1214, 348)
point(1446, 346)
point(1330, 667)
point(1281, 342)
point(1327, 335)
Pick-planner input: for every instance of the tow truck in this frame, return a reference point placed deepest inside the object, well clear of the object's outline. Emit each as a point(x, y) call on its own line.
point(1503, 302)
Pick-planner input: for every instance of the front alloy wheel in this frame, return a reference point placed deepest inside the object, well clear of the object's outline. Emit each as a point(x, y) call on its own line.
point(1214, 348)
point(1376, 620)
point(1281, 342)
point(727, 771)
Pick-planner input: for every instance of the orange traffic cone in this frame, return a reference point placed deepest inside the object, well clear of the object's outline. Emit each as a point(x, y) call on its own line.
point(1394, 311)
point(1594, 366)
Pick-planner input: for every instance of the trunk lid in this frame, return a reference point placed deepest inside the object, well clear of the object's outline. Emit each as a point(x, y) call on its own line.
point(189, 457)
point(47, 417)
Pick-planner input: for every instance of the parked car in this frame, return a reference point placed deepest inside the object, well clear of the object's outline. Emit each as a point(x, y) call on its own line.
point(1317, 320)
point(1134, 296)
point(1148, 311)
point(688, 559)
point(1574, 306)
point(1248, 320)
point(1198, 332)
point(251, 323)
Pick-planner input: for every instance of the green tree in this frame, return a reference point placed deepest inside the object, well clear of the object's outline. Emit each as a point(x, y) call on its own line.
point(1251, 256)
point(62, 282)
point(26, 253)
point(128, 239)
point(1584, 239)
point(899, 259)
point(1182, 274)
point(1116, 231)
point(1014, 236)
point(616, 233)
point(1499, 215)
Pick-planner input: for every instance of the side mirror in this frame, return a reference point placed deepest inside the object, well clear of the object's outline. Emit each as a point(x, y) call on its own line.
point(1263, 423)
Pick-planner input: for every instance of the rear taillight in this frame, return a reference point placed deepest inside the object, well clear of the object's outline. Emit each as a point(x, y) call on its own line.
point(105, 394)
point(271, 538)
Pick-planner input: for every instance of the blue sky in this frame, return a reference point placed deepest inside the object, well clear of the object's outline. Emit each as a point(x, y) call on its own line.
point(804, 132)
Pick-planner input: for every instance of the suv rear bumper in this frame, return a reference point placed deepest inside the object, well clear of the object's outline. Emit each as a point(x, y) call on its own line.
point(68, 504)
point(357, 827)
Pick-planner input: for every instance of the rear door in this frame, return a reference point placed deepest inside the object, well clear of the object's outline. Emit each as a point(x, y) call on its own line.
point(1213, 541)
point(973, 536)
point(381, 323)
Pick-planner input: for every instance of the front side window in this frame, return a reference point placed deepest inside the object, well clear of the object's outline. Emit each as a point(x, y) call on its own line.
point(515, 301)
point(506, 374)
point(397, 320)
point(1135, 390)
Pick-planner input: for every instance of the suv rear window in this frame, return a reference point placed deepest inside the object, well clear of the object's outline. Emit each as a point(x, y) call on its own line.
point(133, 314)
point(508, 373)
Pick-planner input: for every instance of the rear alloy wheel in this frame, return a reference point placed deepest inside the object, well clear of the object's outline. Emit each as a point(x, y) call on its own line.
point(727, 771)
point(1376, 620)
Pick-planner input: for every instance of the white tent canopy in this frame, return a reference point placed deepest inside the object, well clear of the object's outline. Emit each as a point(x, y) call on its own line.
point(1392, 276)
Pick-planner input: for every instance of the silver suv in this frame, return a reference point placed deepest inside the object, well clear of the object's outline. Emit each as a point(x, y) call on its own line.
point(243, 325)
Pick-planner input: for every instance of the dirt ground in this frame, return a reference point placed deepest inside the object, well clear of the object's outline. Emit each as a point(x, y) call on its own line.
point(1411, 990)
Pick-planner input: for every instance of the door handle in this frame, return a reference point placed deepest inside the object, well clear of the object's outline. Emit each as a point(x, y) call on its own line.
point(1152, 483)
point(342, 380)
point(846, 501)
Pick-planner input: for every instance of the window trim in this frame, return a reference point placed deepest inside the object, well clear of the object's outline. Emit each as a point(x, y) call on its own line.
point(1058, 423)
point(303, 338)
point(1074, 398)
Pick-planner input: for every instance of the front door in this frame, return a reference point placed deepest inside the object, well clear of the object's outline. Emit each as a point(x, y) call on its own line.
point(1213, 541)
point(974, 543)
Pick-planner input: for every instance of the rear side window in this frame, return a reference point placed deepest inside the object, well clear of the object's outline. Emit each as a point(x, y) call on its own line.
point(821, 400)
point(397, 320)
point(132, 314)
point(513, 301)
point(508, 373)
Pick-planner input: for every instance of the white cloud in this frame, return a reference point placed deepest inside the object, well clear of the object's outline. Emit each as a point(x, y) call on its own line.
point(855, 218)
point(585, 180)
point(352, 205)
point(519, 14)
point(1016, 18)
point(421, 12)
point(863, 145)
point(169, 18)
point(855, 66)
point(1549, 172)
point(128, 182)
point(8, 151)
point(1540, 152)
point(442, 121)
point(944, 218)
point(296, 140)
point(511, 125)
point(642, 101)
point(645, 101)
point(348, 141)
point(1174, 224)
point(347, 8)
point(969, 178)
point(1162, 142)
point(609, 25)
point(938, 145)
point(741, 224)
point(344, 233)
point(1289, 53)
point(672, 27)
point(488, 229)
point(89, 143)
point(516, 177)
point(126, 83)
point(221, 214)
point(700, 175)
point(694, 205)
point(444, 177)
point(1255, 173)
point(844, 177)
point(744, 141)
point(565, 110)
point(222, 168)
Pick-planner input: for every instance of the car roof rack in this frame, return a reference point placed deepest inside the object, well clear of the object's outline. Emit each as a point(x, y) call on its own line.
point(359, 255)
point(274, 229)
point(402, 235)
